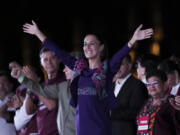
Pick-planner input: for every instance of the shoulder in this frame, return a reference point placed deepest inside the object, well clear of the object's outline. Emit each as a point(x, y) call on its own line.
point(136, 83)
point(134, 80)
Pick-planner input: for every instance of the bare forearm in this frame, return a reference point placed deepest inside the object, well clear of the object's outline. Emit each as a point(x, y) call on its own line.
point(40, 35)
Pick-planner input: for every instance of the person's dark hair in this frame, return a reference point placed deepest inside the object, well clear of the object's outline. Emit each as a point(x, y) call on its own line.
point(7, 73)
point(157, 73)
point(61, 66)
point(168, 66)
point(148, 61)
point(43, 50)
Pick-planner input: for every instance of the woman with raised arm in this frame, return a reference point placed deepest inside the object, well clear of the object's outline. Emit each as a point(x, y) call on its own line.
point(91, 84)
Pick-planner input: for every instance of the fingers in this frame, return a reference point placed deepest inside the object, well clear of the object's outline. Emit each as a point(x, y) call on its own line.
point(171, 101)
point(28, 72)
point(26, 69)
point(177, 100)
point(26, 28)
point(148, 33)
point(26, 31)
point(174, 103)
point(139, 27)
point(150, 30)
point(27, 25)
point(29, 28)
point(33, 22)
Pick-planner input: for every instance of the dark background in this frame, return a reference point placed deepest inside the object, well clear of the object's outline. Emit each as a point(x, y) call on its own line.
point(67, 22)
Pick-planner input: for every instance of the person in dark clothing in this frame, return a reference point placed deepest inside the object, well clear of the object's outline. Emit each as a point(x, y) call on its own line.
point(131, 94)
point(158, 116)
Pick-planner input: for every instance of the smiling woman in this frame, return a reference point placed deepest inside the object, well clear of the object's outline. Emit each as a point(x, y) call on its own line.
point(157, 117)
point(93, 49)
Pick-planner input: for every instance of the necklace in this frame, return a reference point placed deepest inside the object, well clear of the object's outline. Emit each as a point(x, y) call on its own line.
point(150, 111)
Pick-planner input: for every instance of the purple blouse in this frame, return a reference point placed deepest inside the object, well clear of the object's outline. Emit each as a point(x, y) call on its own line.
point(92, 114)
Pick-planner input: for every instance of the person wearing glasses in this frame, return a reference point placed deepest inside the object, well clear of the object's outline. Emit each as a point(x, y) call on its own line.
point(158, 116)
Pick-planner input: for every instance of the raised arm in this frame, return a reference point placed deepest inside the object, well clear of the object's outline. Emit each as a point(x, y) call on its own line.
point(50, 91)
point(62, 55)
point(22, 117)
point(138, 35)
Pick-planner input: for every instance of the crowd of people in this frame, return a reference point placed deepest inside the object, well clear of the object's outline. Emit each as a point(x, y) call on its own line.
point(95, 95)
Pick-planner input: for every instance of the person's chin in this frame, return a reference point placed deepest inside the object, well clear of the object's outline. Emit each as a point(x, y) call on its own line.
point(51, 71)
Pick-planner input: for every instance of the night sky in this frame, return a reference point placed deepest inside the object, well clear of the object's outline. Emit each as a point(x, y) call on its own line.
point(66, 23)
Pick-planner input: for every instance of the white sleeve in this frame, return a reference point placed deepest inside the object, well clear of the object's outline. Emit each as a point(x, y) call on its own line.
point(21, 117)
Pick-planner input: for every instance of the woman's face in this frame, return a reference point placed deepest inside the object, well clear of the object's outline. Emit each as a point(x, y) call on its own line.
point(92, 47)
point(155, 87)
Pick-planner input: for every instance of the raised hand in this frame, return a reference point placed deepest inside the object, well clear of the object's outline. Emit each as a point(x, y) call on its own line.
point(29, 73)
point(14, 102)
point(16, 73)
point(31, 28)
point(34, 30)
point(140, 35)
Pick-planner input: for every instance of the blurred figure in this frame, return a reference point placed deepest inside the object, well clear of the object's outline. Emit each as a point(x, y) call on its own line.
point(146, 63)
point(48, 107)
point(66, 114)
point(25, 104)
point(158, 116)
point(6, 114)
point(173, 76)
point(172, 86)
point(131, 94)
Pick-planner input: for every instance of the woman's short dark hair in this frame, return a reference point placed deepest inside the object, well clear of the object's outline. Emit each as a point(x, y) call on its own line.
point(157, 73)
point(148, 61)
